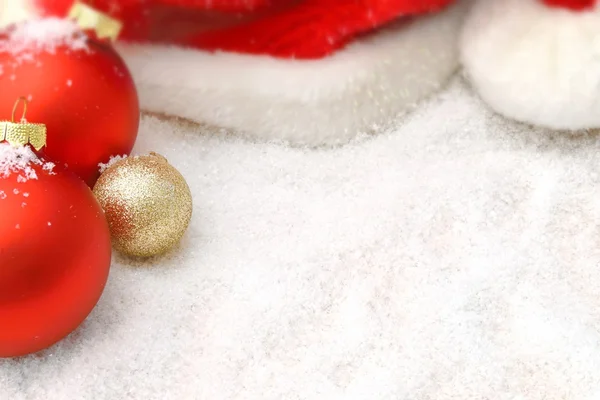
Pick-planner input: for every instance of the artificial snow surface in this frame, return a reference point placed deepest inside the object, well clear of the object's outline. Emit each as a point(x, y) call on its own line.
point(455, 257)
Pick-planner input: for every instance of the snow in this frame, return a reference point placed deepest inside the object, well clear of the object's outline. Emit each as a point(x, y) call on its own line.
point(17, 160)
point(49, 167)
point(454, 257)
point(113, 160)
point(21, 160)
point(37, 35)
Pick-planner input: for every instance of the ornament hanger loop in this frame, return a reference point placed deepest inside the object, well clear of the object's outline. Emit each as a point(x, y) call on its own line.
point(20, 99)
point(23, 133)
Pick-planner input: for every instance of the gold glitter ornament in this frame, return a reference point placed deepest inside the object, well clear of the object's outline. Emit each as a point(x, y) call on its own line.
point(147, 203)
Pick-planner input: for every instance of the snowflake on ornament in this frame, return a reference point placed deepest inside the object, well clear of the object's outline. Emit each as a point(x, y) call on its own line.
point(17, 160)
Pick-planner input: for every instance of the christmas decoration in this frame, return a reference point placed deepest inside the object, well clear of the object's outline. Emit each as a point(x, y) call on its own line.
point(536, 61)
point(282, 28)
point(55, 247)
point(147, 203)
point(77, 84)
point(24, 133)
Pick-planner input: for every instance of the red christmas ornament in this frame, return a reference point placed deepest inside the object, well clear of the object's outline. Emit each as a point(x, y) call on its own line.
point(55, 249)
point(79, 86)
point(304, 29)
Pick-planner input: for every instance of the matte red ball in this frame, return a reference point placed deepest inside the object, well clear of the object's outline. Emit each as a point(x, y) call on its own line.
point(78, 86)
point(55, 255)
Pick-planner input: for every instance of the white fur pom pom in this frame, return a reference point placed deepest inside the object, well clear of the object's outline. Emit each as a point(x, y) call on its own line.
point(535, 64)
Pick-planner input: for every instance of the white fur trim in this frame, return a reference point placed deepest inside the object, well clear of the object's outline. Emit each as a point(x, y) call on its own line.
point(535, 64)
point(330, 101)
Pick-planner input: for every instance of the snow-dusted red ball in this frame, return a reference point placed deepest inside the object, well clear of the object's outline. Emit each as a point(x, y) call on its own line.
point(55, 252)
point(79, 87)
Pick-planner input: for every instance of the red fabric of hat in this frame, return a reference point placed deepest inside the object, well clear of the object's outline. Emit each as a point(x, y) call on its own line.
point(576, 5)
point(305, 29)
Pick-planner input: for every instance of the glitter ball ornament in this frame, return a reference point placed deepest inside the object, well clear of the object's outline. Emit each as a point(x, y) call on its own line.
point(77, 84)
point(55, 249)
point(147, 202)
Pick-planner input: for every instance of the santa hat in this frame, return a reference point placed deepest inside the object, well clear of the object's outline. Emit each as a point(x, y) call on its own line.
point(536, 61)
point(248, 78)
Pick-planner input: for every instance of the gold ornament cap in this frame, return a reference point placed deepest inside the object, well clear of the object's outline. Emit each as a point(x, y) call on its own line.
point(87, 17)
point(23, 133)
